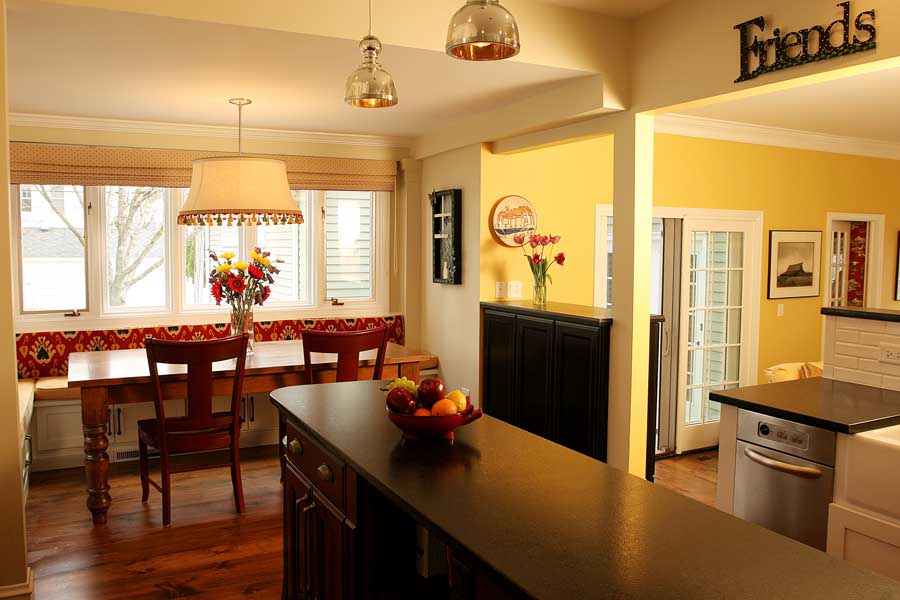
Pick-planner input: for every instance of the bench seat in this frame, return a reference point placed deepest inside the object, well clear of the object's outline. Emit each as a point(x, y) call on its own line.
point(54, 388)
point(26, 406)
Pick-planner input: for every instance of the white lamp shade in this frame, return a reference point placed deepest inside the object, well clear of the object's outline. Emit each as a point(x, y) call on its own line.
point(234, 190)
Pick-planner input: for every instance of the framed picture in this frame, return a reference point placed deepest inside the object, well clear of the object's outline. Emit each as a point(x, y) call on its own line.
point(897, 286)
point(446, 234)
point(512, 215)
point(795, 267)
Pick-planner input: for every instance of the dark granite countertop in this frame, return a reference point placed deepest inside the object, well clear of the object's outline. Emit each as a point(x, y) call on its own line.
point(592, 314)
point(558, 524)
point(872, 314)
point(826, 403)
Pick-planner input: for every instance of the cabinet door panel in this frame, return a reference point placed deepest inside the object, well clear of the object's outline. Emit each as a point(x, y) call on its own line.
point(498, 368)
point(331, 552)
point(262, 414)
point(125, 418)
point(580, 401)
point(534, 376)
point(296, 536)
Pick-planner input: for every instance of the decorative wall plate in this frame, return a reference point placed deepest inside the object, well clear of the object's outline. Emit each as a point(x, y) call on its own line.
point(512, 215)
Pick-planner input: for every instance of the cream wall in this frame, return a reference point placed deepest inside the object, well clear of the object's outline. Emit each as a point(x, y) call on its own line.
point(564, 183)
point(14, 572)
point(450, 313)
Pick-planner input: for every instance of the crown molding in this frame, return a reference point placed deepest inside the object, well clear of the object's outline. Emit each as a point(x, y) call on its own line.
point(702, 127)
point(214, 131)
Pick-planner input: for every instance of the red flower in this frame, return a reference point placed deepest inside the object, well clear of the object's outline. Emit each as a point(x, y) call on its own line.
point(519, 239)
point(266, 292)
point(534, 241)
point(216, 291)
point(545, 239)
point(255, 272)
point(536, 258)
point(236, 284)
point(555, 238)
point(560, 258)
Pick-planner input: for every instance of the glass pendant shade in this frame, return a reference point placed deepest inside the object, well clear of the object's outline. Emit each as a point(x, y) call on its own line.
point(482, 30)
point(370, 85)
point(238, 190)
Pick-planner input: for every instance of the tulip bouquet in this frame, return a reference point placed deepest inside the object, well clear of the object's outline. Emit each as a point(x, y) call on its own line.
point(540, 261)
point(242, 285)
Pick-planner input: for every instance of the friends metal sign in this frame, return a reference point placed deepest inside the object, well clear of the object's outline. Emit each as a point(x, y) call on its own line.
point(814, 43)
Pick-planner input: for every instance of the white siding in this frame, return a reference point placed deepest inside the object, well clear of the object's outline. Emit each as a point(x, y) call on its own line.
point(349, 243)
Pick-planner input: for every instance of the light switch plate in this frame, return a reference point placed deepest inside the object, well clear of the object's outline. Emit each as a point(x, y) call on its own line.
point(515, 289)
point(500, 289)
point(890, 354)
point(781, 310)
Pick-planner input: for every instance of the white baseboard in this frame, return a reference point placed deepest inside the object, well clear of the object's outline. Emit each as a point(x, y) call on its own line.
point(20, 591)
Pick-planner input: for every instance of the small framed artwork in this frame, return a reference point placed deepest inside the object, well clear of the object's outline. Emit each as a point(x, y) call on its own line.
point(446, 233)
point(897, 279)
point(511, 216)
point(794, 264)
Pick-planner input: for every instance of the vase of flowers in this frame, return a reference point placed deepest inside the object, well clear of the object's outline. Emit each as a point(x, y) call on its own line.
point(539, 252)
point(242, 285)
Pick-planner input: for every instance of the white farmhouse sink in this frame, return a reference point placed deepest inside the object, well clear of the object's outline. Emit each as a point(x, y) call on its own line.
point(870, 478)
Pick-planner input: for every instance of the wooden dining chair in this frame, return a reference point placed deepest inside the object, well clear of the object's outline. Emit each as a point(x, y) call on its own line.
point(201, 430)
point(347, 345)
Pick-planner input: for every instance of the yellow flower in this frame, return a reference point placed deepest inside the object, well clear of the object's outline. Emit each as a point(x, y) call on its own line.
point(264, 261)
point(240, 266)
point(228, 255)
point(223, 268)
point(255, 256)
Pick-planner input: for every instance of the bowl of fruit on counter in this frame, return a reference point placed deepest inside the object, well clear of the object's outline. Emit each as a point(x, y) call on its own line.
point(426, 409)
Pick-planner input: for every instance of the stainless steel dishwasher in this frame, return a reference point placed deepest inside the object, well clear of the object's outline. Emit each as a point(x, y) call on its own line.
point(784, 476)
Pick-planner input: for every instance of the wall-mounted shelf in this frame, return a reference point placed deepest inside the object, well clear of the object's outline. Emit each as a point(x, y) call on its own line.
point(446, 228)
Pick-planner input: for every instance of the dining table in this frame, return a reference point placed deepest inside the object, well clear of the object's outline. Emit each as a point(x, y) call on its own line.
point(123, 377)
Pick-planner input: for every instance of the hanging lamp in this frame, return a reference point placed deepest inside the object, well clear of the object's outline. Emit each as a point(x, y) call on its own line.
point(239, 190)
point(370, 85)
point(482, 30)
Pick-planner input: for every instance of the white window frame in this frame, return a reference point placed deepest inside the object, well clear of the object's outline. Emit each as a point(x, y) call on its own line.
point(177, 311)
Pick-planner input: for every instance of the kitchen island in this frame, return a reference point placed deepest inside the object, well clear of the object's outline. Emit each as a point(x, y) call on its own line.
point(522, 517)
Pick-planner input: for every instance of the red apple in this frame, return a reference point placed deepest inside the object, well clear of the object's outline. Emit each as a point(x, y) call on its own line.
point(401, 400)
point(430, 391)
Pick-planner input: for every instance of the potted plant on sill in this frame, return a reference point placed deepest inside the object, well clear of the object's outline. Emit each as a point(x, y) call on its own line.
point(242, 285)
point(540, 261)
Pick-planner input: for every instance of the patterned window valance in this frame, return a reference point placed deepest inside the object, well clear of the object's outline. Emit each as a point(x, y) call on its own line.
point(95, 165)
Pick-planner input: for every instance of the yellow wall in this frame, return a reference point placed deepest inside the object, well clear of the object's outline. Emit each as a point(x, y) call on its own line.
point(793, 188)
point(564, 183)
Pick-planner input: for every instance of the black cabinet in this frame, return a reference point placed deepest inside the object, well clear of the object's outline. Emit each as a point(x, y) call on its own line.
point(546, 371)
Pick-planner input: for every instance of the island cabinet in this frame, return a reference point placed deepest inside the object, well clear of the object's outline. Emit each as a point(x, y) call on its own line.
point(546, 370)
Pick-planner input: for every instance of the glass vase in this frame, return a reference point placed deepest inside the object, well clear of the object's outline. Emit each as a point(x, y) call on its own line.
point(539, 297)
point(242, 322)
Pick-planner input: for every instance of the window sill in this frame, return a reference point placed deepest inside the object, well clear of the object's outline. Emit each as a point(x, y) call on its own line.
point(56, 322)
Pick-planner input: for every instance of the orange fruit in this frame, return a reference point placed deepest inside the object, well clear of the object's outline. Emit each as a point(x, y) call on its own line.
point(422, 412)
point(444, 408)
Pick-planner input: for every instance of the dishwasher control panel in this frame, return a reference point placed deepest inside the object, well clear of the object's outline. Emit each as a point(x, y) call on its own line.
point(783, 435)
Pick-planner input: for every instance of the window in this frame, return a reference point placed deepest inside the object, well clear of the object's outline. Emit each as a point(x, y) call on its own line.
point(141, 263)
point(53, 265)
point(605, 238)
point(135, 231)
point(349, 244)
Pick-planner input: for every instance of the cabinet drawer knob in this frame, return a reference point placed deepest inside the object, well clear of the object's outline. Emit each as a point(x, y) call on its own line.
point(324, 472)
point(295, 447)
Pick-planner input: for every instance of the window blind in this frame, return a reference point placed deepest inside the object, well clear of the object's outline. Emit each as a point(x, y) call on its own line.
point(35, 163)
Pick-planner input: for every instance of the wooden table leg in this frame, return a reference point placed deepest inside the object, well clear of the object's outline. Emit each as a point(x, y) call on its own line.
point(96, 460)
point(410, 370)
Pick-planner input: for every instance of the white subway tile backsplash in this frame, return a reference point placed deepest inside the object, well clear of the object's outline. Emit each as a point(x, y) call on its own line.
point(860, 377)
point(847, 362)
point(874, 366)
point(828, 372)
point(891, 383)
point(857, 350)
point(850, 336)
point(860, 324)
point(892, 328)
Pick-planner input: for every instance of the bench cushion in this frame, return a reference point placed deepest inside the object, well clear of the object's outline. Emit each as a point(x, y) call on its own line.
point(55, 388)
point(26, 406)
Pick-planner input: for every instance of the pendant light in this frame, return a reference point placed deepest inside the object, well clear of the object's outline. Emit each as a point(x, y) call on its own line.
point(238, 190)
point(370, 85)
point(482, 30)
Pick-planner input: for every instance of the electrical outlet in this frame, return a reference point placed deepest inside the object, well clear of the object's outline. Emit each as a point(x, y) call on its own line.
point(515, 289)
point(500, 289)
point(890, 354)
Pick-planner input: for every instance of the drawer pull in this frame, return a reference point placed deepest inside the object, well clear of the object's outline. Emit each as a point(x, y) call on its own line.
point(295, 447)
point(324, 472)
point(309, 506)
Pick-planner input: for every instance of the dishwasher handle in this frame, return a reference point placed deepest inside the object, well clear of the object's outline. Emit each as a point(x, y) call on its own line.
point(804, 472)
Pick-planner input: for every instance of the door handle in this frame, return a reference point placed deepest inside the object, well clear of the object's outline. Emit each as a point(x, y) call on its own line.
point(667, 340)
point(243, 409)
point(252, 408)
point(118, 421)
point(109, 427)
point(804, 472)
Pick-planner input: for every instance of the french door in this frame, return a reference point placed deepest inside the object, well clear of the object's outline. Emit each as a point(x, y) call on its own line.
point(716, 296)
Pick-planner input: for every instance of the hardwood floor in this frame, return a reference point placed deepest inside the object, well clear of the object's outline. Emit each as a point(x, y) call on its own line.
point(208, 552)
point(693, 475)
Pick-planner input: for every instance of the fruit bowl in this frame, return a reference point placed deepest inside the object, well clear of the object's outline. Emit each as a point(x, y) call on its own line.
point(442, 427)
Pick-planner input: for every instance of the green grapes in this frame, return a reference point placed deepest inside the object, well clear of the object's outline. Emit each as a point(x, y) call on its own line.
point(403, 382)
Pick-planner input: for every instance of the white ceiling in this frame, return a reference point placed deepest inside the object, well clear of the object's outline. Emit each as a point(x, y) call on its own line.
point(862, 106)
point(106, 64)
point(613, 8)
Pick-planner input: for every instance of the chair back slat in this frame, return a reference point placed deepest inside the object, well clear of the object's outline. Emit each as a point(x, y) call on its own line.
point(347, 345)
point(198, 357)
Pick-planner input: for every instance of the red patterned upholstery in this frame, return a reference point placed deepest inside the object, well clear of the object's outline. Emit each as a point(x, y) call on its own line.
point(46, 353)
